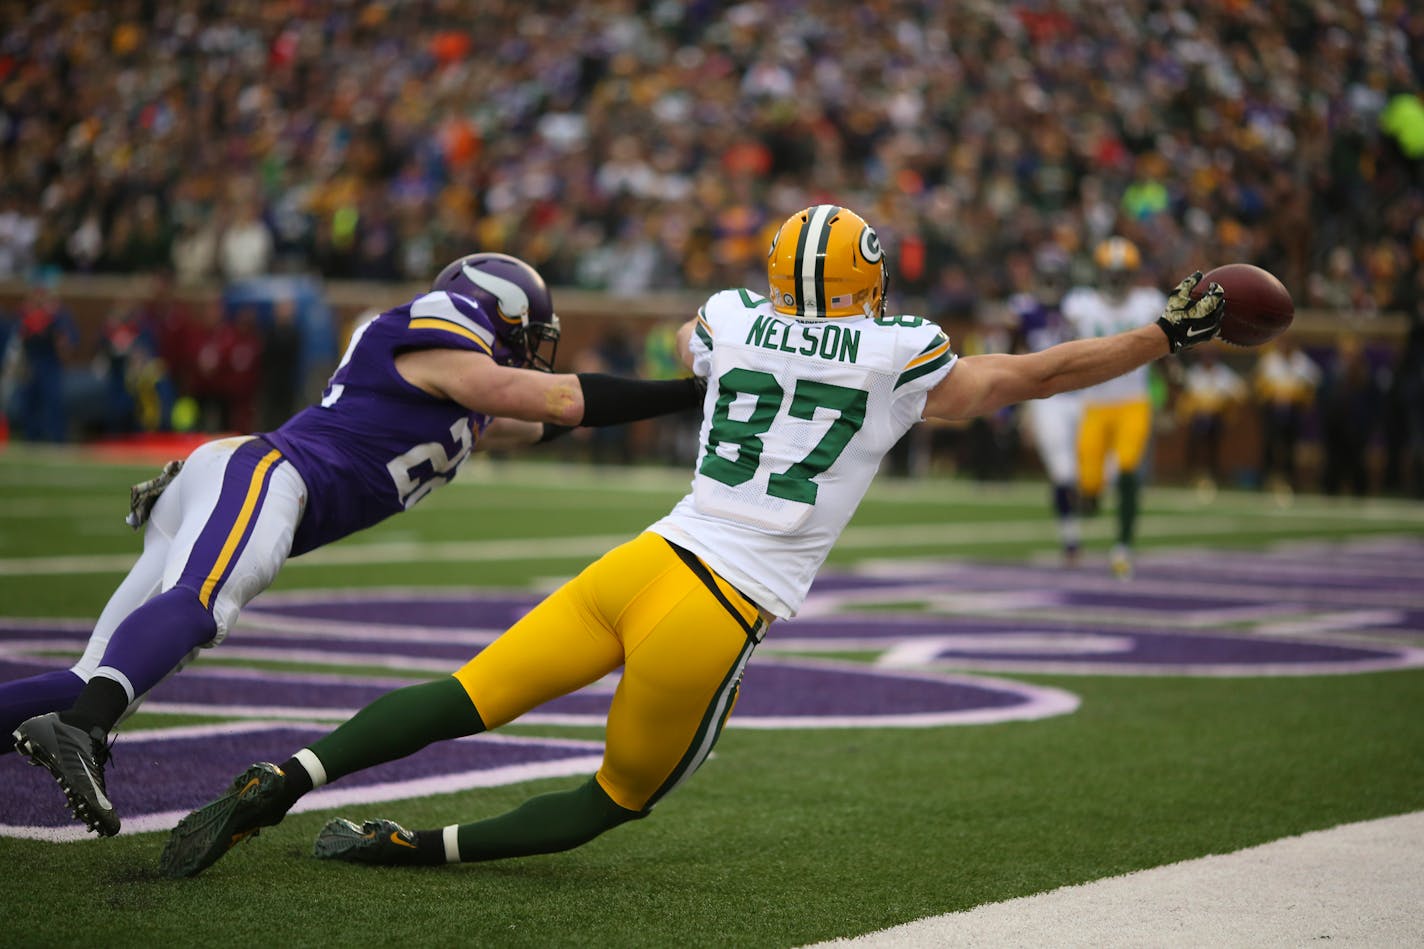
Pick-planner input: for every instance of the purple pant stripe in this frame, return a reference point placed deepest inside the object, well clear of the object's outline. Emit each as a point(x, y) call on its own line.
point(229, 526)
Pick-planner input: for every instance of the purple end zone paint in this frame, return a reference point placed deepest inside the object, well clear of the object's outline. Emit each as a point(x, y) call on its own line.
point(196, 769)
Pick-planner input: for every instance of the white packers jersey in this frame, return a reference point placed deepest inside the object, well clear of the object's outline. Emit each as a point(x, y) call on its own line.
point(798, 415)
point(1093, 314)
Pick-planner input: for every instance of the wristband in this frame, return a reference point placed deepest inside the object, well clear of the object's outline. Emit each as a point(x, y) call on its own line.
point(614, 400)
point(553, 430)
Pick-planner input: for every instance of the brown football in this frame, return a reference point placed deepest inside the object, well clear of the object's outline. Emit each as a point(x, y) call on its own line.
point(1258, 306)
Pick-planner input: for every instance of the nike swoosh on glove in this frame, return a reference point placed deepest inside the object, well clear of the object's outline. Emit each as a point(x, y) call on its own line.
point(1189, 322)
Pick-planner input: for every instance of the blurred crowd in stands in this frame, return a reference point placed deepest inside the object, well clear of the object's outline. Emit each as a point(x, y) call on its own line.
point(632, 146)
point(159, 364)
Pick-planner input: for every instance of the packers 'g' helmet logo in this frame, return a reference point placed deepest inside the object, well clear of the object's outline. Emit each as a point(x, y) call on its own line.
point(870, 245)
point(826, 261)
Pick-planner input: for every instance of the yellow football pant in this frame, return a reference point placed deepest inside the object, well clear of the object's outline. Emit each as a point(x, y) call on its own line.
point(681, 634)
point(1121, 428)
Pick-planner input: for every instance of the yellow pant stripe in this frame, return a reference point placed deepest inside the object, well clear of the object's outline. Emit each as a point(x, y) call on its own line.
point(239, 527)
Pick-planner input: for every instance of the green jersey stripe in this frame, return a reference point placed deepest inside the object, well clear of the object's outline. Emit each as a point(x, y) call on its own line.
point(939, 340)
point(910, 375)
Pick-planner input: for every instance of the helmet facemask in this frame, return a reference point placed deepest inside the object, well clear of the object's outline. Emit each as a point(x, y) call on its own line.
point(527, 344)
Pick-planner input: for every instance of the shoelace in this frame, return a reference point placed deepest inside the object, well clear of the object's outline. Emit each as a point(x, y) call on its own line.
point(102, 755)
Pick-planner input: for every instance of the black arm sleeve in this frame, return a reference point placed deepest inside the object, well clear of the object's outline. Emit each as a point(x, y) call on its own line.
point(553, 431)
point(613, 400)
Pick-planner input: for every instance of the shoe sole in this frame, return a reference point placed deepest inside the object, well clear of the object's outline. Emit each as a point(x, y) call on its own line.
point(200, 839)
point(37, 754)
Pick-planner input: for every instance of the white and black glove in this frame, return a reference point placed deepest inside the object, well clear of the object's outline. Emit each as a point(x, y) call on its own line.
point(1190, 322)
point(143, 495)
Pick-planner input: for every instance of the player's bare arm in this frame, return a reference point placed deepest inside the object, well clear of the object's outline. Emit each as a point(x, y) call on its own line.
point(477, 382)
point(684, 341)
point(505, 433)
point(981, 384)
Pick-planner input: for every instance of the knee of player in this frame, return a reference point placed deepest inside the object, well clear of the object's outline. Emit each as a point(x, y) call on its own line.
point(614, 805)
point(199, 607)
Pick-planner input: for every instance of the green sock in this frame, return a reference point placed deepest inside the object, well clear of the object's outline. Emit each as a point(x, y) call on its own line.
point(1127, 507)
point(397, 724)
point(545, 824)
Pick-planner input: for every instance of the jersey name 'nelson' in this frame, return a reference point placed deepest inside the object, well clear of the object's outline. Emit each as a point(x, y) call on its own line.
point(827, 340)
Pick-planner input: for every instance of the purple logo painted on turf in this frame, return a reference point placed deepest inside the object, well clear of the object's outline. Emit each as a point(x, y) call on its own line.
point(1286, 612)
point(197, 762)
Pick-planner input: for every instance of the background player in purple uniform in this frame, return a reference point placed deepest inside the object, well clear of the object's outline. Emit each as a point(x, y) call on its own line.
point(1052, 422)
point(419, 388)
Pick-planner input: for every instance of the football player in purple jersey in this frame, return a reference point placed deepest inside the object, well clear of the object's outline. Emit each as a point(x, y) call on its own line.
point(1052, 422)
point(467, 365)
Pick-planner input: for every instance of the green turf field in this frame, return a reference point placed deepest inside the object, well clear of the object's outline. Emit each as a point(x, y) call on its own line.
point(785, 837)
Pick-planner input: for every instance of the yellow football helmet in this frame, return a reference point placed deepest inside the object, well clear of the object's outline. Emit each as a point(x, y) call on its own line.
point(1117, 254)
point(1117, 259)
point(826, 261)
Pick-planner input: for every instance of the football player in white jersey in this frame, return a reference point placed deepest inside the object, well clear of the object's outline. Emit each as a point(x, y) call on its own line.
point(1117, 413)
point(810, 383)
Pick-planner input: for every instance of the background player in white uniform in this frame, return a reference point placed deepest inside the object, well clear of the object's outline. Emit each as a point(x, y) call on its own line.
point(1052, 422)
point(808, 388)
point(1117, 413)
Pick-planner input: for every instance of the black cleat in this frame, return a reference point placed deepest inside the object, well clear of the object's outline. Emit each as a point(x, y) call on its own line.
point(212, 830)
point(76, 758)
point(381, 842)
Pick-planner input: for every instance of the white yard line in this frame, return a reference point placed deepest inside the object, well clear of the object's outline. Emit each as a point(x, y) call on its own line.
point(980, 535)
point(1353, 885)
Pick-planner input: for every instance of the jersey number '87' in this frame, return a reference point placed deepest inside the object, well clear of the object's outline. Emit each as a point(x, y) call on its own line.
point(795, 483)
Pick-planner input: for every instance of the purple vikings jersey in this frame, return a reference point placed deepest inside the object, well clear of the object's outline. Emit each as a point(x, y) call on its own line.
point(376, 444)
point(1040, 324)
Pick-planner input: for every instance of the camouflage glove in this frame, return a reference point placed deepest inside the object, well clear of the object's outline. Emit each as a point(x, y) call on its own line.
point(1188, 322)
point(143, 495)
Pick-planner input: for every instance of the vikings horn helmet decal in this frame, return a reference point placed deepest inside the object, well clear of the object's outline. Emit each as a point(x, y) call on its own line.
point(513, 301)
point(513, 291)
point(826, 261)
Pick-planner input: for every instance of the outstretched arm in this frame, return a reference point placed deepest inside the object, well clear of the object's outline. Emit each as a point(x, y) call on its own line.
point(481, 385)
point(978, 385)
point(506, 433)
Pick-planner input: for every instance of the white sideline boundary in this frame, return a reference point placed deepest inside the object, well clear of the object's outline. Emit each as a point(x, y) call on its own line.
point(1353, 885)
